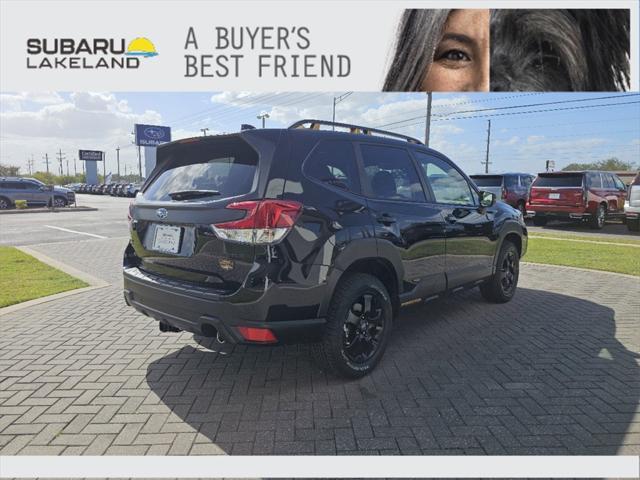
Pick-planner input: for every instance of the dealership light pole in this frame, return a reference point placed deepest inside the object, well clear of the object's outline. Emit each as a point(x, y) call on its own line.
point(204, 131)
point(118, 160)
point(75, 166)
point(46, 160)
point(263, 116)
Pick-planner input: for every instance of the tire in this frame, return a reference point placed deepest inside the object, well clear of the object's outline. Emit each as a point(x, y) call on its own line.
point(5, 203)
point(352, 344)
point(633, 225)
point(59, 202)
point(539, 221)
point(598, 221)
point(502, 285)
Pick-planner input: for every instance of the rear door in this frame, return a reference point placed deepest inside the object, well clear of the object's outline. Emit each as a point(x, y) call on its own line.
point(173, 233)
point(406, 226)
point(558, 189)
point(35, 195)
point(470, 239)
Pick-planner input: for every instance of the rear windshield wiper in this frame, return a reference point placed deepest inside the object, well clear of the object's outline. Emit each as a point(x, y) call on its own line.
point(187, 194)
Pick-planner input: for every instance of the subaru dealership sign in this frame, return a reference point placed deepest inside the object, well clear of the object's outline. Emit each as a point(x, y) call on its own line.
point(152, 135)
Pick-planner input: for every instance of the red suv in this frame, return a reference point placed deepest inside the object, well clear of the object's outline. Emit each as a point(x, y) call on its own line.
point(587, 196)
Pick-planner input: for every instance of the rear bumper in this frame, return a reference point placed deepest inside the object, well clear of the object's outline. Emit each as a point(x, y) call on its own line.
point(209, 314)
point(553, 211)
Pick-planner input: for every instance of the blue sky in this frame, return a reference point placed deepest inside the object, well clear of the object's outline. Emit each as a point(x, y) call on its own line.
point(39, 123)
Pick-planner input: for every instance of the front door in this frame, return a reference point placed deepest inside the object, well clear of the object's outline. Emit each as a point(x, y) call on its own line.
point(407, 228)
point(471, 241)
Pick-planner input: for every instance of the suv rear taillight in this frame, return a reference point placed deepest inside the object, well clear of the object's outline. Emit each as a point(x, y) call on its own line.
point(585, 196)
point(266, 221)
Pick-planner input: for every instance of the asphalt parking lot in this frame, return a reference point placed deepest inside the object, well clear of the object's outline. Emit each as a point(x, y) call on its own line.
point(556, 371)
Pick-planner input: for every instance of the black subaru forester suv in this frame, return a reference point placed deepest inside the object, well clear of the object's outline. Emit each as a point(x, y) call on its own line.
point(312, 235)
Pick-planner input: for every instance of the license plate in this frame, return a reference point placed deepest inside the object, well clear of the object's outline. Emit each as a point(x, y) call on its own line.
point(554, 196)
point(166, 239)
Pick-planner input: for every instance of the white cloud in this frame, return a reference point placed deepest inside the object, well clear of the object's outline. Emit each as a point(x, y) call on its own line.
point(16, 101)
point(85, 120)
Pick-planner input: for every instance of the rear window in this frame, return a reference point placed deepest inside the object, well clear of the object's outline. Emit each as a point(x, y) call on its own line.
point(558, 181)
point(486, 181)
point(226, 166)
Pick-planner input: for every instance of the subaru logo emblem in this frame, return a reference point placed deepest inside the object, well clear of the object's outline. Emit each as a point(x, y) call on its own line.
point(162, 213)
point(154, 132)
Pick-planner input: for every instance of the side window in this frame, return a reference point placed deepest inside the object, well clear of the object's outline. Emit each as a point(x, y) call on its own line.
point(390, 173)
point(447, 184)
point(334, 162)
point(30, 186)
point(16, 185)
point(607, 181)
point(619, 183)
point(526, 180)
point(510, 181)
point(594, 180)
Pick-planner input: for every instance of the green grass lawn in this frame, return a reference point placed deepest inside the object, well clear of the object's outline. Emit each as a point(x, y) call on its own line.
point(610, 258)
point(592, 238)
point(23, 278)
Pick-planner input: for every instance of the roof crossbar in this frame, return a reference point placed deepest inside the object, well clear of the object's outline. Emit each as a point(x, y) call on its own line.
point(356, 129)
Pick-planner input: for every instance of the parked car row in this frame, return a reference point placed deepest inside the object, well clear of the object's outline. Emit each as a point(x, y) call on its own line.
point(34, 192)
point(113, 189)
point(585, 196)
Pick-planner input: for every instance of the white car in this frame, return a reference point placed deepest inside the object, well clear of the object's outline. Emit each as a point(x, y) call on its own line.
point(632, 207)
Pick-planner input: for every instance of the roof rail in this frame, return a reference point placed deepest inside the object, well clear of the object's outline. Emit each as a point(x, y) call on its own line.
point(357, 129)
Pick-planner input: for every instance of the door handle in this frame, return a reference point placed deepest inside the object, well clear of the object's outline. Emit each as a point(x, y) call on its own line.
point(386, 219)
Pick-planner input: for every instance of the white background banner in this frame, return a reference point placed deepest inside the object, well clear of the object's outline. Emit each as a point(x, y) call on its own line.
point(351, 39)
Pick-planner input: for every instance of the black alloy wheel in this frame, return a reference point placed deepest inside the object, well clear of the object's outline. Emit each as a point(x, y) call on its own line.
point(363, 327)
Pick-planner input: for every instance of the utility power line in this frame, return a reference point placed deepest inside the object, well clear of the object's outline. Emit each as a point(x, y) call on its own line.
point(516, 106)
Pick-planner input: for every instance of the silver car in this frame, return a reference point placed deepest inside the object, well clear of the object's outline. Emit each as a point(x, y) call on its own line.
point(36, 193)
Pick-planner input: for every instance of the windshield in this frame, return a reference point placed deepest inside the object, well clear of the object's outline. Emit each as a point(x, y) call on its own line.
point(487, 181)
point(566, 180)
point(223, 170)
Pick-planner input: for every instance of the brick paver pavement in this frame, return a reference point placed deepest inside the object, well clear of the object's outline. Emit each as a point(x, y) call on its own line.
point(556, 371)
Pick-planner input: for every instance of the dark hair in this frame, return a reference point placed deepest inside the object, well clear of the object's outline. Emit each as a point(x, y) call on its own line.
point(418, 36)
point(560, 50)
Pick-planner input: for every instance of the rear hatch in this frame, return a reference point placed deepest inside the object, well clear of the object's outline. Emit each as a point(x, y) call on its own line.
point(490, 183)
point(558, 189)
point(186, 195)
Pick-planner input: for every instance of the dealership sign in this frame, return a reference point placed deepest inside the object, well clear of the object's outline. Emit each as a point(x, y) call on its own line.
point(152, 135)
point(90, 155)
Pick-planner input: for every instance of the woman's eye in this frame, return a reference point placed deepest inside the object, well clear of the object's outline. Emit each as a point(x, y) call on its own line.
point(454, 56)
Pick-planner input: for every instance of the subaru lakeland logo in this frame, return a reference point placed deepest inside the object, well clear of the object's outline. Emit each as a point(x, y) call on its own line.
point(154, 133)
point(162, 213)
point(100, 53)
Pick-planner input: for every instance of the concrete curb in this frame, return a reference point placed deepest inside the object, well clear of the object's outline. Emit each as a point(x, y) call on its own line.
point(586, 270)
point(94, 282)
point(17, 211)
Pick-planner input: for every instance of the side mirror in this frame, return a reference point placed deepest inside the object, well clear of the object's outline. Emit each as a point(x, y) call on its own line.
point(487, 199)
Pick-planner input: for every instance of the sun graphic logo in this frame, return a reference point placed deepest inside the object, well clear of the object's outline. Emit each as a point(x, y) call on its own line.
point(141, 47)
